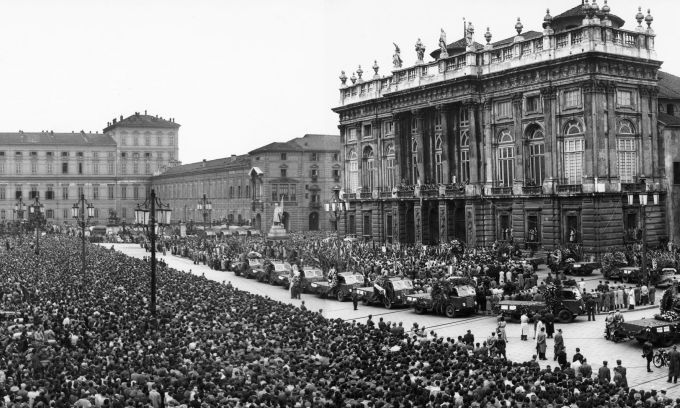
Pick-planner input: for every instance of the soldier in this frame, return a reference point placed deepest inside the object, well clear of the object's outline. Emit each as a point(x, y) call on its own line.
point(590, 307)
point(604, 374)
point(355, 300)
point(648, 353)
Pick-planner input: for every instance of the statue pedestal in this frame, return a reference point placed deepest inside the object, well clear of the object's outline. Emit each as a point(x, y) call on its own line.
point(277, 232)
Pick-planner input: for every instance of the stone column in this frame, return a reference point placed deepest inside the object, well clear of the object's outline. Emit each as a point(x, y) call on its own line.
point(418, 137)
point(590, 138)
point(398, 148)
point(443, 222)
point(378, 179)
point(476, 146)
point(548, 96)
point(649, 148)
point(612, 162)
point(396, 236)
point(518, 134)
point(418, 222)
point(444, 132)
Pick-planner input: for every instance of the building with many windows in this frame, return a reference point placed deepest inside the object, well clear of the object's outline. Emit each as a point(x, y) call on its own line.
point(546, 138)
point(112, 169)
point(302, 172)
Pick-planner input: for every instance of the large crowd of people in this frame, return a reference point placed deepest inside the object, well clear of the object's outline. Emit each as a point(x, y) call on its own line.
point(80, 340)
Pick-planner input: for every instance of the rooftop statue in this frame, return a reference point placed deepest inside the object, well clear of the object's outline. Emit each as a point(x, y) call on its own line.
point(396, 58)
point(442, 43)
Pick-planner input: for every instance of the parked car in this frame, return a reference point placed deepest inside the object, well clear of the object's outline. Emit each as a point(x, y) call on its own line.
point(346, 283)
point(312, 274)
point(667, 278)
point(386, 291)
point(278, 272)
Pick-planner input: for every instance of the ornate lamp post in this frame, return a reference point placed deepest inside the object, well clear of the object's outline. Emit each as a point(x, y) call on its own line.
point(36, 214)
point(79, 213)
point(205, 207)
point(643, 198)
point(149, 215)
point(336, 207)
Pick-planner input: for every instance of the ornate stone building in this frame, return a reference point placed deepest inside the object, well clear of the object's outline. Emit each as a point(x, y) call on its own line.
point(303, 172)
point(543, 137)
point(113, 169)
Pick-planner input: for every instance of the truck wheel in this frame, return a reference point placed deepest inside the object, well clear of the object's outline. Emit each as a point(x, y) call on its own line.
point(564, 316)
point(667, 341)
point(419, 309)
point(450, 311)
point(340, 296)
point(272, 279)
point(388, 303)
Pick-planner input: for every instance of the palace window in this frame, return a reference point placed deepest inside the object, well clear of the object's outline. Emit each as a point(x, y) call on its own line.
point(388, 127)
point(368, 168)
point(504, 109)
point(390, 167)
point(415, 175)
point(284, 156)
point(533, 104)
point(49, 194)
point(367, 134)
point(110, 188)
point(506, 159)
point(536, 157)
point(465, 117)
point(352, 133)
point(353, 170)
point(465, 156)
point(572, 98)
point(626, 127)
point(439, 167)
point(573, 160)
point(64, 168)
point(624, 98)
point(627, 159)
point(95, 191)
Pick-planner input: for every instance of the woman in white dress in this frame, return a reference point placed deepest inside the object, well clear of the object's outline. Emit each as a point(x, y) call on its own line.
point(524, 325)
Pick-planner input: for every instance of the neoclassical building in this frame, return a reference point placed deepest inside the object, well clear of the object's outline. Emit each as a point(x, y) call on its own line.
point(548, 137)
point(112, 169)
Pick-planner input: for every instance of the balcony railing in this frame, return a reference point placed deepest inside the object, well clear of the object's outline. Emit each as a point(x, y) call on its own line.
point(454, 190)
point(351, 196)
point(385, 194)
point(405, 193)
point(314, 204)
point(501, 190)
point(365, 195)
point(532, 190)
point(632, 187)
point(570, 188)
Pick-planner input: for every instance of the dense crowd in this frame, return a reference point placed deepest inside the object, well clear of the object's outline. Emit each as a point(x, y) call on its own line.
point(88, 340)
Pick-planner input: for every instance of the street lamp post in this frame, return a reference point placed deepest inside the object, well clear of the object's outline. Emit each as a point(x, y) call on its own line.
point(36, 213)
point(205, 207)
point(149, 215)
point(643, 198)
point(79, 213)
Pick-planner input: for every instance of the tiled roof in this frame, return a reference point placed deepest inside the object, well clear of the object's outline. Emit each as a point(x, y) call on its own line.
point(142, 121)
point(669, 86)
point(51, 138)
point(668, 120)
point(209, 165)
point(455, 47)
point(311, 142)
point(276, 147)
point(529, 35)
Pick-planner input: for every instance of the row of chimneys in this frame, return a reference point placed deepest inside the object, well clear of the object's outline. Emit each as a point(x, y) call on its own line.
point(51, 132)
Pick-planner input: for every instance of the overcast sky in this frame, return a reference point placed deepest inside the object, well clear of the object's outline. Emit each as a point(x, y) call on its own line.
point(235, 74)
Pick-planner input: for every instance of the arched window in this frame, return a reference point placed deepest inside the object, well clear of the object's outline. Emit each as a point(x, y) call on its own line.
point(465, 156)
point(390, 166)
point(574, 146)
point(626, 153)
point(506, 159)
point(414, 162)
point(573, 127)
point(368, 168)
point(626, 127)
point(353, 170)
point(438, 163)
point(536, 156)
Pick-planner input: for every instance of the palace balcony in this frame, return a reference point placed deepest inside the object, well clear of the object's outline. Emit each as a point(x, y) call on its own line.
point(501, 190)
point(532, 190)
point(570, 188)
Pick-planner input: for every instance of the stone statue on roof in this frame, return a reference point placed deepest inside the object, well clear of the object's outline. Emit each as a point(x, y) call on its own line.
point(396, 58)
point(469, 32)
point(442, 44)
point(420, 50)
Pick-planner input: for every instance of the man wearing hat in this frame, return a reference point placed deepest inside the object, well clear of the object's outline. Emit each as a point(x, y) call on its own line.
point(673, 365)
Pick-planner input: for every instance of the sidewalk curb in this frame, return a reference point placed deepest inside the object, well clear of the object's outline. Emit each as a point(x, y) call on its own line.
point(646, 307)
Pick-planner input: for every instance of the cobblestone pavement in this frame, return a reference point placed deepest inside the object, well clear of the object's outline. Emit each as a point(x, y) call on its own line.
point(588, 336)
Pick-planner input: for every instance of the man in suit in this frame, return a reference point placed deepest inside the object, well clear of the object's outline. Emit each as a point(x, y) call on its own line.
point(648, 353)
point(541, 345)
point(673, 364)
point(604, 375)
point(586, 369)
point(559, 343)
point(578, 356)
point(469, 338)
point(622, 371)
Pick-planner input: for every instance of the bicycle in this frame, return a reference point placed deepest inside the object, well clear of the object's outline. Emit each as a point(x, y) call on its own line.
point(660, 358)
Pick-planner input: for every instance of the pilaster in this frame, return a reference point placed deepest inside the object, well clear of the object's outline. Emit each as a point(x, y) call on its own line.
point(612, 168)
point(476, 158)
point(417, 135)
point(443, 222)
point(444, 132)
point(418, 222)
point(488, 141)
point(518, 136)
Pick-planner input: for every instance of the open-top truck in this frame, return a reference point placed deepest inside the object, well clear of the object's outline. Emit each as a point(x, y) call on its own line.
point(564, 302)
point(451, 297)
point(388, 291)
point(340, 288)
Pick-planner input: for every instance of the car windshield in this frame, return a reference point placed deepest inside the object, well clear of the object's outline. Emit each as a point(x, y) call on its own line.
point(281, 267)
point(402, 284)
point(313, 273)
point(255, 261)
point(466, 290)
point(352, 279)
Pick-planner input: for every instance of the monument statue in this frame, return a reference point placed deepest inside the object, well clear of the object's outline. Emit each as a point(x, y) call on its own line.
point(396, 58)
point(278, 230)
point(420, 50)
point(442, 43)
point(469, 35)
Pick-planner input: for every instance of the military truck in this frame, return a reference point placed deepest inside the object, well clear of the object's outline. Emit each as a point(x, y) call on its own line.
point(340, 288)
point(388, 291)
point(449, 297)
point(565, 302)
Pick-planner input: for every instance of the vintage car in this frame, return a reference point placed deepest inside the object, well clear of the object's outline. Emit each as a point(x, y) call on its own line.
point(386, 291)
point(250, 267)
point(311, 274)
point(580, 268)
point(274, 274)
point(657, 332)
point(346, 283)
point(450, 304)
point(667, 278)
point(631, 274)
point(569, 304)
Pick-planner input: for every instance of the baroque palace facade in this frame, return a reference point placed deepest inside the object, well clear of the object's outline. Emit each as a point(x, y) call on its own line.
point(546, 138)
point(113, 169)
